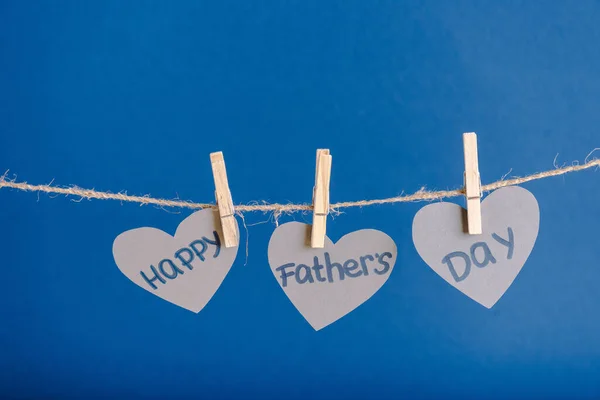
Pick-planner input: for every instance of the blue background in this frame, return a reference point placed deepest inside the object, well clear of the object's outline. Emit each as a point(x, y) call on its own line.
point(134, 96)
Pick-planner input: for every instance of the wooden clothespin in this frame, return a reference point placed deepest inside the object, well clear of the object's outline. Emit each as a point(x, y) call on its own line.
point(321, 199)
point(224, 201)
point(472, 183)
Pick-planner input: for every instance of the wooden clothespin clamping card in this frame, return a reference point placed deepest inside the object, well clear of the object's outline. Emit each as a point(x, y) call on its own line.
point(321, 199)
point(224, 200)
point(472, 183)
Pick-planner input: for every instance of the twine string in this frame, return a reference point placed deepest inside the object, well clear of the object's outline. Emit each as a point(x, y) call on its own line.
point(278, 209)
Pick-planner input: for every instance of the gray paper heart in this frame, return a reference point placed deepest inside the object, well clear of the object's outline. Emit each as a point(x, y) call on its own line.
point(481, 266)
point(326, 284)
point(185, 269)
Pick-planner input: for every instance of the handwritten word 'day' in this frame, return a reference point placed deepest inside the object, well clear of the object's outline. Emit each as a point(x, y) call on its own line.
point(488, 257)
point(350, 268)
point(167, 268)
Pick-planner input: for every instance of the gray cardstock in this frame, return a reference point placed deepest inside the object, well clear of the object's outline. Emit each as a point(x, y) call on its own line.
point(439, 230)
point(322, 303)
point(136, 250)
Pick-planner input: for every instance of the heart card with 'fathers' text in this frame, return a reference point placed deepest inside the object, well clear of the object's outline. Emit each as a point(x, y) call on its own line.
point(326, 284)
point(185, 269)
point(480, 266)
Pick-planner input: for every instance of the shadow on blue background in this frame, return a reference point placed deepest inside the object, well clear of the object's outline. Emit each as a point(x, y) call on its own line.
point(135, 95)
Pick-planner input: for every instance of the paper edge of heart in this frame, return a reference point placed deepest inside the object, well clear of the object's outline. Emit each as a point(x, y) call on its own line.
point(484, 304)
point(194, 309)
point(328, 240)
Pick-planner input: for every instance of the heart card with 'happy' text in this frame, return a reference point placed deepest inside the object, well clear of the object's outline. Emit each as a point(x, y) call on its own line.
point(185, 269)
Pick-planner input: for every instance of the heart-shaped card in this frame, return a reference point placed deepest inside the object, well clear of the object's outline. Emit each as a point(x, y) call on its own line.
point(185, 269)
point(480, 266)
point(326, 284)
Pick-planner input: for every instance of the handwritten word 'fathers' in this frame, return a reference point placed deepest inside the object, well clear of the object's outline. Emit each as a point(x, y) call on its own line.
point(185, 255)
point(350, 268)
point(487, 254)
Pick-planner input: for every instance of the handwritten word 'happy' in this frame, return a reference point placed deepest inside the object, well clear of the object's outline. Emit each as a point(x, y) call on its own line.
point(487, 253)
point(185, 257)
point(350, 268)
